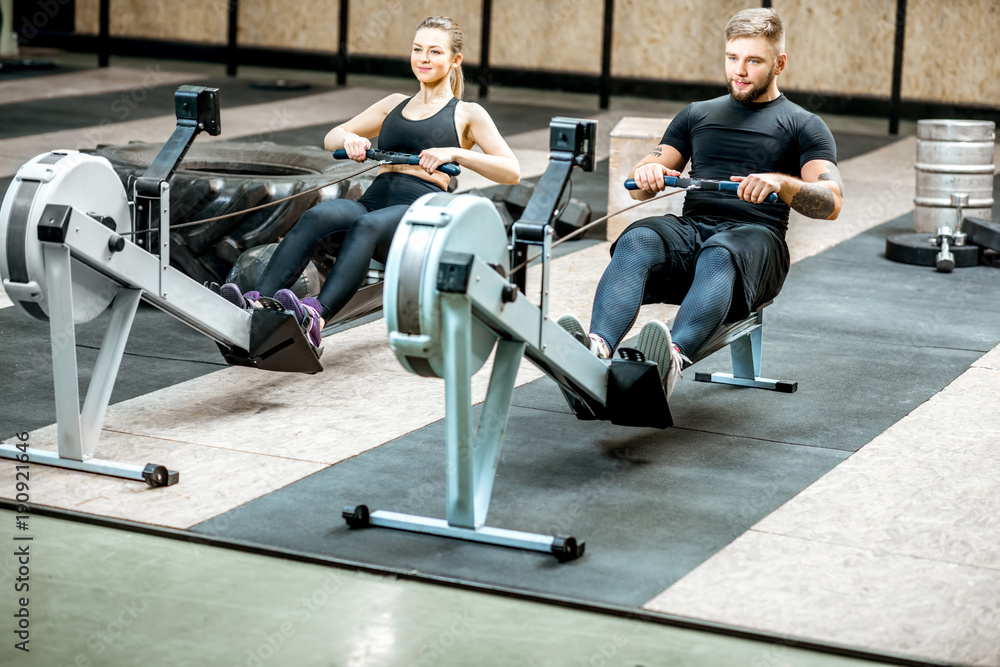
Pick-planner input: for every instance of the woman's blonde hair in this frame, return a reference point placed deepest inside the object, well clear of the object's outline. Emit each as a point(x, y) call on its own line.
point(457, 42)
point(760, 22)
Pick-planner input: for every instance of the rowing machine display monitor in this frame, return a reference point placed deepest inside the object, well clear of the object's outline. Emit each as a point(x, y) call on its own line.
point(201, 105)
point(197, 111)
point(571, 144)
point(573, 139)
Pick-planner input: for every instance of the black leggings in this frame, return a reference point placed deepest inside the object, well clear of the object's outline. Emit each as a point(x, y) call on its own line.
point(366, 227)
point(622, 290)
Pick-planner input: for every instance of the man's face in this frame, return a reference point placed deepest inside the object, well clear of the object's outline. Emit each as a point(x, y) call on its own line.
point(750, 68)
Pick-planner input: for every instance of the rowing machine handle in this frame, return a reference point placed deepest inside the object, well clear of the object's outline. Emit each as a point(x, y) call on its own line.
point(725, 186)
point(449, 168)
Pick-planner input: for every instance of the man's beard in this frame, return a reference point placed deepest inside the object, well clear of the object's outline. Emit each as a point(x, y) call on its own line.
point(747, 97)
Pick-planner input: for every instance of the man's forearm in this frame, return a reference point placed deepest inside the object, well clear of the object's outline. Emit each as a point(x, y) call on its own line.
point(822, 198)
point(814, 201)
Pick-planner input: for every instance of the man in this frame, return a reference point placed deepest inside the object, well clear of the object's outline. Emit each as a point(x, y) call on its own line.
point(725, 255)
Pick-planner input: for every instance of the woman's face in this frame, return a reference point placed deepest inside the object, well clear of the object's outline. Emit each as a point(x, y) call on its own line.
point(431, 58)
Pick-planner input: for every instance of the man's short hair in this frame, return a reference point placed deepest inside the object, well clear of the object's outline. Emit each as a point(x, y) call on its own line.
point(759, 22)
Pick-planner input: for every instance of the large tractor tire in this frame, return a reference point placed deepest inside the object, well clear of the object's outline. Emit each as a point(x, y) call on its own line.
point(216, 178)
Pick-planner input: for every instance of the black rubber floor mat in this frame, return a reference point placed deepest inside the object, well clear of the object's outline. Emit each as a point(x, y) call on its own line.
point(851, 327)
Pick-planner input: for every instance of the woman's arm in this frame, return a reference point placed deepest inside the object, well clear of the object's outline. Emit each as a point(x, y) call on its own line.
point(353, 136)
point(497, 161)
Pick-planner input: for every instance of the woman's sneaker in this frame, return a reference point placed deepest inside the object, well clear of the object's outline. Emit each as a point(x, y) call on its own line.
point(314, 303)
point(313, 327)
point(231, 293)
point(656, 345)
point(592, 342)
point(305, 315)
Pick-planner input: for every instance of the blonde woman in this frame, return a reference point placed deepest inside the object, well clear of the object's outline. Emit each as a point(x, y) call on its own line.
point(434, 124)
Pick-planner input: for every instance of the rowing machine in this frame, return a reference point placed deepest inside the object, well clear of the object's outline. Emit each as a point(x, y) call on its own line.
point(72, 245)
point(449, 301)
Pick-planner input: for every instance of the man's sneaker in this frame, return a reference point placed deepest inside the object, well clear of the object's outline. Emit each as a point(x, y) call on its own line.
point(231, 293)
point(575, 328)
point(592, 342)
point(656, 345)
point(306, 316)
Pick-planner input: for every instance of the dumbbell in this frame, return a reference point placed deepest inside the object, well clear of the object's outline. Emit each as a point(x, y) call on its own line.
point(948, 236)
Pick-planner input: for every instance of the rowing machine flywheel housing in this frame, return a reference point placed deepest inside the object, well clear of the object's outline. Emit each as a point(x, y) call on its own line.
point(70, 178)
point(434, 225)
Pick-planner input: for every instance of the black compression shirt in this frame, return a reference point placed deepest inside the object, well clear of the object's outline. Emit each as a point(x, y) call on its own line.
point(722, 138)
point(402, 135)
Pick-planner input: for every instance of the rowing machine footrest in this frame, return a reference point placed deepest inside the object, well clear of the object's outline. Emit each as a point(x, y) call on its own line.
point(636, 396)
point(277, 343)
point(579, 408)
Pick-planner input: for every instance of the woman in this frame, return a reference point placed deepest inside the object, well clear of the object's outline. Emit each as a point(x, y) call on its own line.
point(433, 124)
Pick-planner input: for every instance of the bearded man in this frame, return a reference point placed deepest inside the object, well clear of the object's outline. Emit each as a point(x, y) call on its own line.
point(724, 256)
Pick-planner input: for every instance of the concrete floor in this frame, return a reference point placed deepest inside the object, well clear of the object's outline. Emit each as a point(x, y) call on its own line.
point(108, 597)
point(858, 559)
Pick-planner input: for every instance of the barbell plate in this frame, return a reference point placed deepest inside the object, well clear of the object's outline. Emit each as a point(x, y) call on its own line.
point(917, 249)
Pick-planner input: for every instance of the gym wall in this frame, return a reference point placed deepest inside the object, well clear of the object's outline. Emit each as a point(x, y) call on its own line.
point(385, 28)
point(842, 49)
point(558, 35)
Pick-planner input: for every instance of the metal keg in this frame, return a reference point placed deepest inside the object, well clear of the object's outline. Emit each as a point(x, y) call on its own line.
point(953, 157)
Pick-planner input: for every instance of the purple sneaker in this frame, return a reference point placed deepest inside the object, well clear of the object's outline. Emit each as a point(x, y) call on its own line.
point(287, 298)
point(231, 293)
point(314, 303)
point(312, 326)
point(306, 316)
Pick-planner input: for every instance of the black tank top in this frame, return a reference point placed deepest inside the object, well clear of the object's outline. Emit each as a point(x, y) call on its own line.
point(412, 136)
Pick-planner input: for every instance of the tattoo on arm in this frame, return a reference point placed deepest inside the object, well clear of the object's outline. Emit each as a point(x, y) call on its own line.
point(814, 201)
point(833, 174)
point(656, 152)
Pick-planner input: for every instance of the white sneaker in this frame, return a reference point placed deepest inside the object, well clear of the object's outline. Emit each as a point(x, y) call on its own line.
point(657, 346)
point(592, 342)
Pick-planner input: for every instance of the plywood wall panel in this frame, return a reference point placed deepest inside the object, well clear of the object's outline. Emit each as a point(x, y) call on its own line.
point(952, 51)
point(311, 25)
point(200, 21)
point(843, 47)
point(386, 27)
point(87, 19)
point(552, 35)
point(677, 40)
